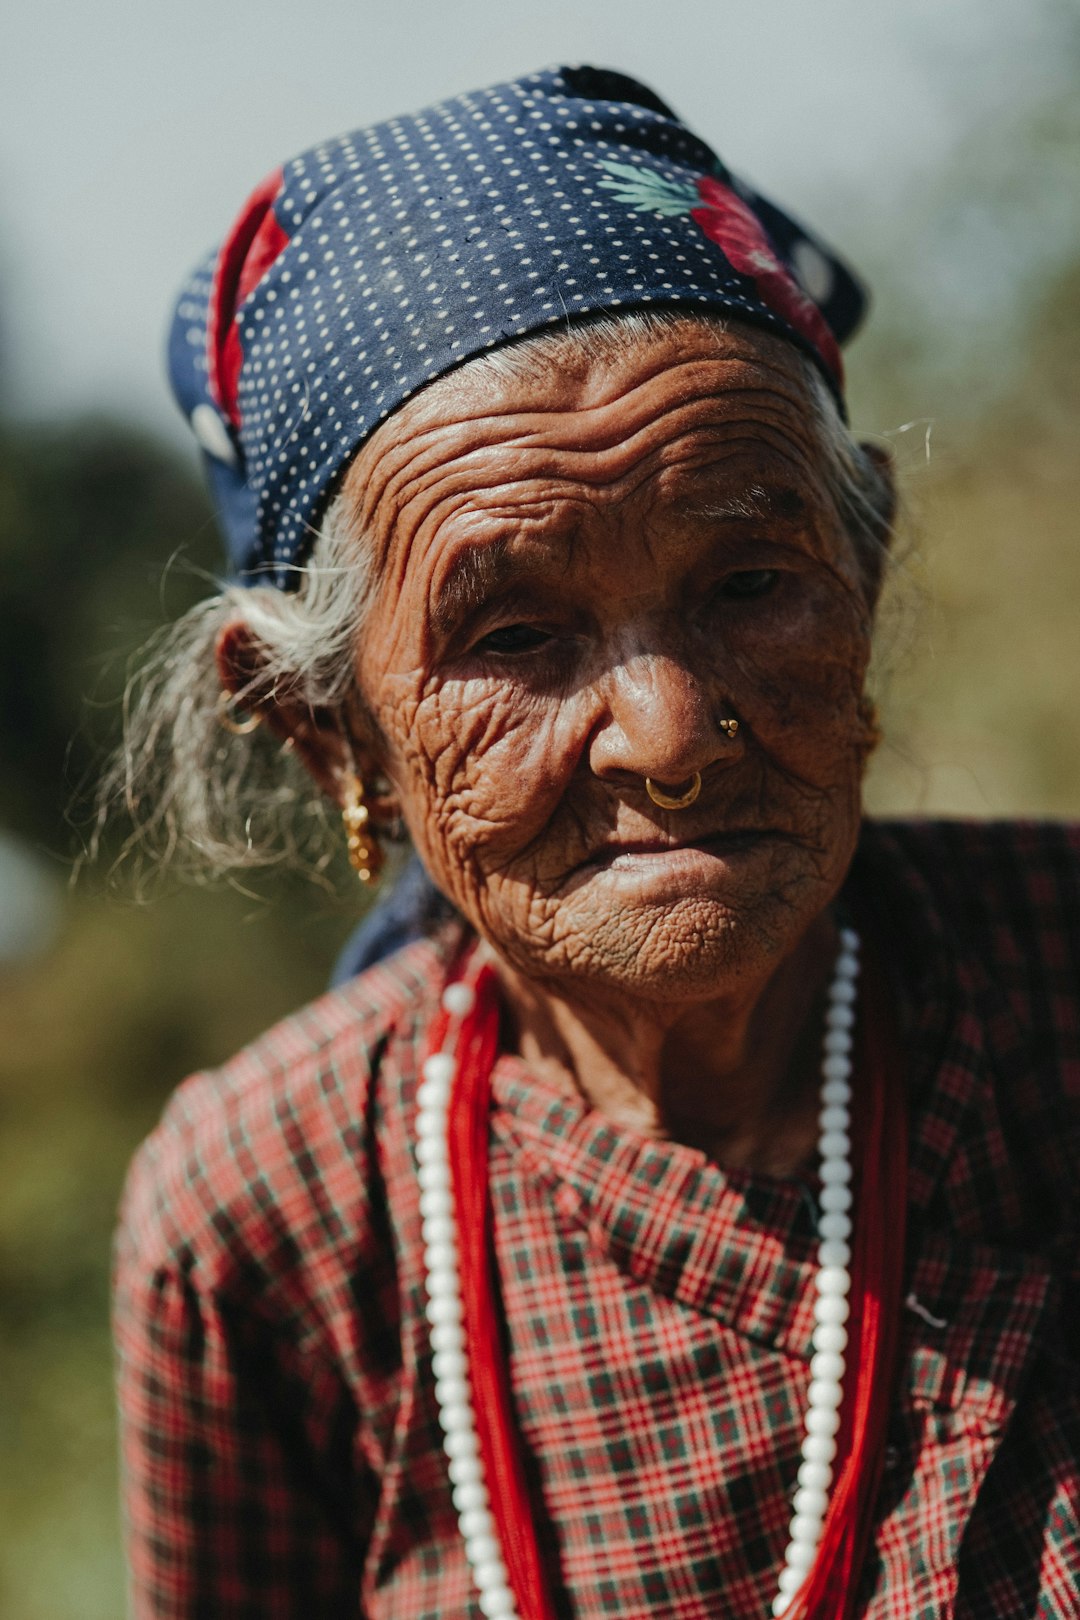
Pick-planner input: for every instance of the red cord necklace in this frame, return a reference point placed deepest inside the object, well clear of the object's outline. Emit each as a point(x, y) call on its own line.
point(472, 1375)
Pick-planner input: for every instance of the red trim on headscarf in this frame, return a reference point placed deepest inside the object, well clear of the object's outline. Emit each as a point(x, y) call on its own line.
point(740, 235)
point(248, 251)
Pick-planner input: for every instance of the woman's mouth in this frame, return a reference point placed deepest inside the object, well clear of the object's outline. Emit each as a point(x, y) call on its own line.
point(641, 854)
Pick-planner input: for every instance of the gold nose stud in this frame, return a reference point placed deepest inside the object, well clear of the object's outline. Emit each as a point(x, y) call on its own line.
point(673, 801)
point(730, 726)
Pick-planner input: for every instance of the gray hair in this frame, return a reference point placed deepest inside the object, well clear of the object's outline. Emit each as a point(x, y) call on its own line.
point(206, 800)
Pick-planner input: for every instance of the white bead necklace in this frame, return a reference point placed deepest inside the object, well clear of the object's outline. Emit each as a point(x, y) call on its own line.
point(453, 1384)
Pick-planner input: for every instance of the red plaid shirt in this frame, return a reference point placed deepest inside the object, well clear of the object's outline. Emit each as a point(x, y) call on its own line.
point(281, 1447)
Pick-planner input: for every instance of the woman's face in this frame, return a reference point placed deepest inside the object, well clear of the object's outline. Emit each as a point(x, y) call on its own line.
point(580, 576)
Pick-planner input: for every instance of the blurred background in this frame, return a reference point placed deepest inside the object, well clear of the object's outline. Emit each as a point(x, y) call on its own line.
point(938, 145)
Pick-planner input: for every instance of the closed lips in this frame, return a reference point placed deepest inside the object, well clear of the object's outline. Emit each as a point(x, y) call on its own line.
point(712, 843)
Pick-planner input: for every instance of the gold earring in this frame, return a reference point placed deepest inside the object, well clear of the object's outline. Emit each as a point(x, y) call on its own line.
point(673, 801)
point(365, 856)
point(239, 722)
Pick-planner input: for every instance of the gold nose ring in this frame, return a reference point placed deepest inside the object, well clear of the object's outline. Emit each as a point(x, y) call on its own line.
point(673, 801)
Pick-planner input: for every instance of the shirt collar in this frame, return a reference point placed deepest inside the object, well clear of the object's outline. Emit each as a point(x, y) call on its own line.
point(740, 1245)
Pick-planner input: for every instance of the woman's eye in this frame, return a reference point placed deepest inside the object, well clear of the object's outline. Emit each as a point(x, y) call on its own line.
point(513, 638)
point(749, 582)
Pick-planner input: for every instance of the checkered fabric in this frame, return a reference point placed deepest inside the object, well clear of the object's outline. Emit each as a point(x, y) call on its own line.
point(281, 1448)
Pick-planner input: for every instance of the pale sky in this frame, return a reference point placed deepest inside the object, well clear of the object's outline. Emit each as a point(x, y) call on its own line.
point(132, 130)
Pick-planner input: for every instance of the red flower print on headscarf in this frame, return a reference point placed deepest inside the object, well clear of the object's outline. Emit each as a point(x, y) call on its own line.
point(737, 232)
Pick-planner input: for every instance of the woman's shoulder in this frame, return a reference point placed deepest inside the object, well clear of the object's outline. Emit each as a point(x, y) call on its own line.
point(267, 1163)
point(973, 839)
point(1023, 873)
point(980, 922)
point(1000, 899)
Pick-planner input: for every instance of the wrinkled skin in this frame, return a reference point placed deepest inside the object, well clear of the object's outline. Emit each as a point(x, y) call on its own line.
point(579, 577)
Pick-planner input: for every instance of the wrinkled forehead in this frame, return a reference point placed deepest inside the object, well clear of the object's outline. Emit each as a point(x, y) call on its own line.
point(682, 431)
point(601, 408)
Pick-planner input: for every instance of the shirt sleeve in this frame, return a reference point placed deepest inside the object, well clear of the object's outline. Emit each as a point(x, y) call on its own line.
point(236, 1443)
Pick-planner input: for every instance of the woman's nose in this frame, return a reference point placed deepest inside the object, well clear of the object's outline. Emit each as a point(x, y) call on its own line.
point(661, 721)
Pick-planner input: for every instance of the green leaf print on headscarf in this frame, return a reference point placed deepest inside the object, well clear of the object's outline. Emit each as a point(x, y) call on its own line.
point(646, 190)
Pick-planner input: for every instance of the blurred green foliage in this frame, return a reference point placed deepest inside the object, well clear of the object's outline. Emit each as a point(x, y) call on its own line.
point(978, 668)
point(979, 658)
point(103, 535)
point(89, 512)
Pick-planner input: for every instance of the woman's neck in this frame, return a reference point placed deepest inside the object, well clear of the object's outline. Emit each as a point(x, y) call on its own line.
point(736, 1076)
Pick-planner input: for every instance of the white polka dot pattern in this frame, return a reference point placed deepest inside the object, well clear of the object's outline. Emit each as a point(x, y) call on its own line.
point(417, 243)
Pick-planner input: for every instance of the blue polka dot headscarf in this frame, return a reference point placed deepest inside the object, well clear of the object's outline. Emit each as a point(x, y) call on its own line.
point(376, 262)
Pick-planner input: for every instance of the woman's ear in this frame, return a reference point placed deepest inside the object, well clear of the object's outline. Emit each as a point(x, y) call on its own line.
point(882, 457)
point(317, 737)
point(881, 501)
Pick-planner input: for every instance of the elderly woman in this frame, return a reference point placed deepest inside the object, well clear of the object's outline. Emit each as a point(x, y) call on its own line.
point(681, 1221)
